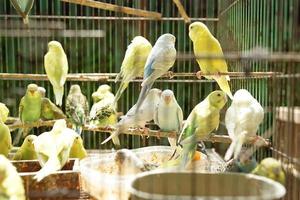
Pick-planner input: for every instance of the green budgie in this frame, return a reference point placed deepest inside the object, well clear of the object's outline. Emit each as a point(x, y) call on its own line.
point(26, 151)
point(205, 43)
point(270, 168)
point(77, 149)
point(11, 184)
point(101, 91)
point(103, 114)
point(77, 108)
point(5, 139)
point(53, 148)
point(29, 110)
point(4, 111)
point(133, 64)
point(203, 119)
point(56, 66)
point(161, 58)
point(23, 8)
point(168, 115)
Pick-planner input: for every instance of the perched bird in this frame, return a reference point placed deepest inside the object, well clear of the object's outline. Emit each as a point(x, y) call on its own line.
point(133, 64)
point(138, 120)
point(77, 149)
point(205, 43)
point(168, 115)
point(161, 58)
point(29, 109)
point(77, 108)
point(53, 148)
point(11, 184)
point(128, 163)
point(102, 91)
point(23, 8)
point(42, 91)
point(203, 119)
point(242, 121)
point(4, 111)
point(270, 168)
point(5, 139)
point(103, 114)
point(26, 151)
point(56, 66)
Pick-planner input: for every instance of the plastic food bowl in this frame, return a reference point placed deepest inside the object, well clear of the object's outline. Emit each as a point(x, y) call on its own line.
point(99, 179)
point(186, 186)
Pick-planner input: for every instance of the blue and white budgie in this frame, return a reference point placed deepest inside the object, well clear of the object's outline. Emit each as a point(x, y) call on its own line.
point(161, 58)
point(138, 120)
point(168, 115)
point(53, 148)
point(56, 66)
point(133, 64)
point(242, 121)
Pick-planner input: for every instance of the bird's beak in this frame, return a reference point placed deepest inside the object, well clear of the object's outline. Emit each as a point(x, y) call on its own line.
point(31, 92)
point(168, 99)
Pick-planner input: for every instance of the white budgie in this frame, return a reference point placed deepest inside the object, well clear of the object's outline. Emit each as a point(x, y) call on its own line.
point(133, 64)
point(138, 120)
point(53, 148)
point(242, 121)
point(161, 58)
point(168, 115)
point(56, 66)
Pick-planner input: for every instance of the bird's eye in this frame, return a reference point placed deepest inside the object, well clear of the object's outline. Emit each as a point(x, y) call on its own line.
point(219, 94)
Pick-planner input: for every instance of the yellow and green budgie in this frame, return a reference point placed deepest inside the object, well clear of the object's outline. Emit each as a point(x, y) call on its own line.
point(5, 139)
point(56, 67)
point(11, 184)
point(201, 122)
point(133, 64)
point(205, 43)
point(77, 149)
point(26, 151)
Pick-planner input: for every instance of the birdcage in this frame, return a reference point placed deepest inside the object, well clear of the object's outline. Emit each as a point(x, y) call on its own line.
point(259, 39)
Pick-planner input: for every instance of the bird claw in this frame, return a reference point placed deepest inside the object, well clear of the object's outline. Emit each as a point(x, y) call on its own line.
point(199, 74)
point(170, 74)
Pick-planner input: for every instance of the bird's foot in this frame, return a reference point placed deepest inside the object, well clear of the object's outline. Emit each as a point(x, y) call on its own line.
point(170, 74)
point(144, 131)
point(158, 134)
point(199, 74)
point(109, 128)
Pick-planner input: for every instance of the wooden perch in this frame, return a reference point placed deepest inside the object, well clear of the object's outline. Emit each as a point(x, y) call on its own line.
point(147, 133)
point(116, 8)
point(182, 11)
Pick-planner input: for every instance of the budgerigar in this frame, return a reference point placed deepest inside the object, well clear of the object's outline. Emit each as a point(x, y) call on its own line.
point(168, 115)
point(56, 66)
point(103, 114)
point(102, 91)
point(11, 184)
point(77, 108)
point(242, 121)
point(5, 139)
point(29, 109)
point(161, 58)
point(205, 43)
point(203, 119)
point(77, 149)
point(138, 120)
point(4, 111)
point(23, 8)
point(26, 151)
point(270, 168)
point(133, 64)
point(53, 148)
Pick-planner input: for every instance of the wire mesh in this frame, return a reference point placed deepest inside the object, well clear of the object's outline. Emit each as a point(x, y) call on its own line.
point(97, 39)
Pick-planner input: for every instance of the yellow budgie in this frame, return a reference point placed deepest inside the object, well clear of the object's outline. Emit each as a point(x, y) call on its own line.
point(56, 66)
point(3, 112)
point(11, 184)
point(205, 43)
point(133, 64)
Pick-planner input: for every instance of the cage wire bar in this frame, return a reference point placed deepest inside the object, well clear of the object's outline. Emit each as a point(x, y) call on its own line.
point(240, 25)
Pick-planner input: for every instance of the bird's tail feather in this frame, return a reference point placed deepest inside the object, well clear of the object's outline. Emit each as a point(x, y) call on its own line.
point(78, 129)
point(51, 166)
point(25, 20)
point(224, 85)
point(59, 93)
point(113, 135)
point(239, 144)
point(119, 93)
point(116, 141)
point(22, 133)
point(142, 96)
point(230, 150)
